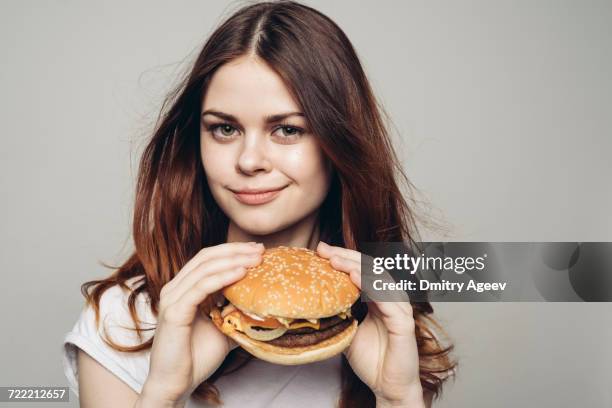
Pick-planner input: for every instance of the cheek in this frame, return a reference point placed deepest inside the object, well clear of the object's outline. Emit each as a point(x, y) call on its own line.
point(215, 163)
point(306, 166)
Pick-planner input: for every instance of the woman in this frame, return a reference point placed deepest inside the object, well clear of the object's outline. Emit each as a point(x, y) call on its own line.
point(276, 101)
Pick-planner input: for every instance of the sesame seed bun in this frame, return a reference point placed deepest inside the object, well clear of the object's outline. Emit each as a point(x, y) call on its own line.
point(291, 284)
point(294, 283)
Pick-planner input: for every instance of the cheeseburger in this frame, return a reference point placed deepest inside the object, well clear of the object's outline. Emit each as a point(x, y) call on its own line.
point(292, 308)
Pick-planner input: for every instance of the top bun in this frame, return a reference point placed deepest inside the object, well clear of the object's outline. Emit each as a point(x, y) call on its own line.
point(295, 283)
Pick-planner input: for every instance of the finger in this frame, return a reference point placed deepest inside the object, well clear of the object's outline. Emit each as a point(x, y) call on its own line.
point(326, 251)
point(347, 266)
point(222, 250)
point(353, 268)
point(215, 265)
point(401, 341)
point(356, 269)
point(397, 316)
point(183, 311)
point(210, 267)
point(390, 317)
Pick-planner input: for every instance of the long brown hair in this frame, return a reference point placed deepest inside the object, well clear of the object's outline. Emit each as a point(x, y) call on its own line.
point(175, 214)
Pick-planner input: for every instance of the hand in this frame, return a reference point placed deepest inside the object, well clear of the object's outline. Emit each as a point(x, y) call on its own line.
point(384, 352)
point(188, 347)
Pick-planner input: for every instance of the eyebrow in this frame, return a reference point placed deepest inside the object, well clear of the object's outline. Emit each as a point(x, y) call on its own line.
point(268, 119)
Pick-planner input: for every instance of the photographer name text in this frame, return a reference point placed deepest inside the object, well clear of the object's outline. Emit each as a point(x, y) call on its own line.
point(444, 285)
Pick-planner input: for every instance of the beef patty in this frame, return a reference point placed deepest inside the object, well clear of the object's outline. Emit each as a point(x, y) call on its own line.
point(307, 336)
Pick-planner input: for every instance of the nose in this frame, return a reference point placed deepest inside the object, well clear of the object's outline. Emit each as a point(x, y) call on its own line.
point(253, 156)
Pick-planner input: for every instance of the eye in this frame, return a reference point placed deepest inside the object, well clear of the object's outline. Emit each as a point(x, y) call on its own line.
point(222, 130)
point(289, 132)
point(284, 132)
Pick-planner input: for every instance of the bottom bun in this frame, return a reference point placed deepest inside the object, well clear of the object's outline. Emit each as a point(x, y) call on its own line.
point(288, 355)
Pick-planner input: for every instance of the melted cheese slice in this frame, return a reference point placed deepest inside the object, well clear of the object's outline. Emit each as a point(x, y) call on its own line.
point(297, 325)
point(240, 319)
point(234, 317)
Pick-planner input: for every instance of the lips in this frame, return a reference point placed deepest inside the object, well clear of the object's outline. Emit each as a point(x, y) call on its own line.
point(257, 196)
point(257, 190)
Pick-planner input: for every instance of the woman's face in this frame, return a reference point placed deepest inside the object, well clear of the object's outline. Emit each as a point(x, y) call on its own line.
point(254, 138)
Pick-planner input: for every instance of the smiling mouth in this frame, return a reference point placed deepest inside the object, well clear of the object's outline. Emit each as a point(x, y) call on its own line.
point(257, 198)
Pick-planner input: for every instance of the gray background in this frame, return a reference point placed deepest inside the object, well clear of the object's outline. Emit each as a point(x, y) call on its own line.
point(504, 112)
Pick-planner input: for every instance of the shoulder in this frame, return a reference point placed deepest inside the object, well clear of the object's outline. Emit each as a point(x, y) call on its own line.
point(114, 317)
point(105, 339)
point(114, 302)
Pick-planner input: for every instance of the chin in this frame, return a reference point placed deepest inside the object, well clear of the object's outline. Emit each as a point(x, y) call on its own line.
point(257, 229)
point(258, 224)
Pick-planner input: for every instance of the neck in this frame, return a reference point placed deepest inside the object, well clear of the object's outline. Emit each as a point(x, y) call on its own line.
point(303, 234)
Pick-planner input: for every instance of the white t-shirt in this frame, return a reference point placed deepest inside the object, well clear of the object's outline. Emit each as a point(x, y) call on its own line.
point(258, 384)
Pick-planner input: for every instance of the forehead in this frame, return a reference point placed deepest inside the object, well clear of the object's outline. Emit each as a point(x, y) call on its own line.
point(247, 87)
